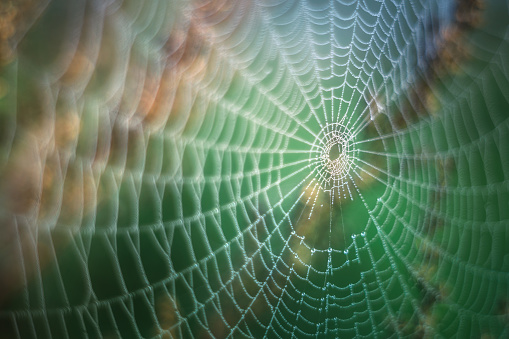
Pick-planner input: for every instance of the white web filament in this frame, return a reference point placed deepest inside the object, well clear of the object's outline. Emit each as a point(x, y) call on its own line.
point(274, 169)
point(334, 148)
point(335, 157)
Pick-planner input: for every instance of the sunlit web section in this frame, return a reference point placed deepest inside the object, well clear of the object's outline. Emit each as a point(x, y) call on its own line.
point(254, 169)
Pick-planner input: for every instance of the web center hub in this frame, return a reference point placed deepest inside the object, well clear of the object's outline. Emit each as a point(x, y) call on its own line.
point(332, 154)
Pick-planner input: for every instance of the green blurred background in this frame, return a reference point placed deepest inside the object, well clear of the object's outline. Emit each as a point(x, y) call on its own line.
point(163, 170)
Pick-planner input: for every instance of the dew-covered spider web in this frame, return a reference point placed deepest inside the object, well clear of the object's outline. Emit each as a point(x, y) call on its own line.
point(254, 168)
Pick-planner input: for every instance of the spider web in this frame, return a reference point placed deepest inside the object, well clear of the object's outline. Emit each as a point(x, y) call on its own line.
point(254, 169)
